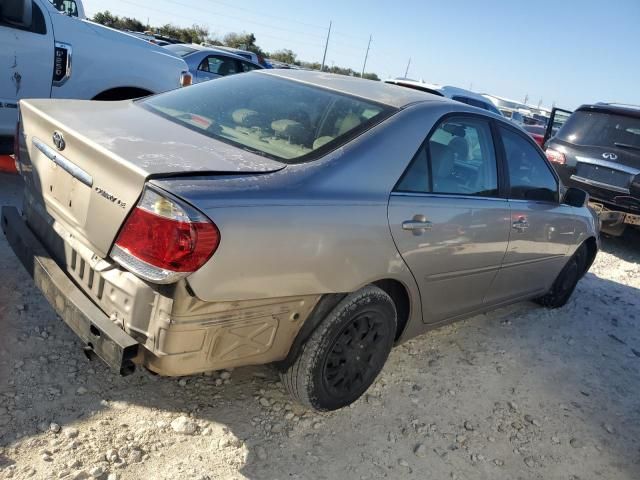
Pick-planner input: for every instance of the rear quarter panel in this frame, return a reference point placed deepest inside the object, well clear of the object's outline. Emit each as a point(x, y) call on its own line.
point(314, 228)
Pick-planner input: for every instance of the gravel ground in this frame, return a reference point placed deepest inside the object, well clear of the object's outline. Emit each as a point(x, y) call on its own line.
point(520, 393)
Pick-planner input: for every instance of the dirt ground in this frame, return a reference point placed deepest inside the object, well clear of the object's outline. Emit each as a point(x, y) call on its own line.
point(521, 393)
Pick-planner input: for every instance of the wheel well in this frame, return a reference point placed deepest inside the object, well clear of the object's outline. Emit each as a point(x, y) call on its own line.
point(400, 297)
point(122, 93)
point(592, 250)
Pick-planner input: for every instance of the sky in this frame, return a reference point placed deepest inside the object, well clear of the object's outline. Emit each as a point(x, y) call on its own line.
point(564, 51)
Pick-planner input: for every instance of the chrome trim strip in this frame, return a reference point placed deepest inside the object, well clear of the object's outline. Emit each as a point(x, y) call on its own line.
point(65, 164)
point(595, 183)
point(67, 72)
point(533, 261)
point(462, 273)
point(446, 195)
point(605, 163)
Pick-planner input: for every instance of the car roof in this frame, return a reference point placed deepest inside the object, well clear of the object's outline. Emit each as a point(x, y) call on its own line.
point(213, 50)
point(380, 92)
point(617, 108)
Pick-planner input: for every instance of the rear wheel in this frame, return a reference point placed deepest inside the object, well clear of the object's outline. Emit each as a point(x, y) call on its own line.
point(566, 280)
point(345, 353)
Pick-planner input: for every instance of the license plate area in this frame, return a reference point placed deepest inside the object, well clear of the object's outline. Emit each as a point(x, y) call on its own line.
point(604, 175)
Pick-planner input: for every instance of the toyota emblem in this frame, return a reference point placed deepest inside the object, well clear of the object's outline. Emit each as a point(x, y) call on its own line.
point(58, 141)
point(610, 156)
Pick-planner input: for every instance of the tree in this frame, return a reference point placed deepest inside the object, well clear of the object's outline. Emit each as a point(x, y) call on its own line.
point(243, 41)
point(284, 56)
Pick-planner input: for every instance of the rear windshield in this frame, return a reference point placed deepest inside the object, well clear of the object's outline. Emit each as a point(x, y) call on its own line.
point(278, 118)
point(180, 49)
point(601, 129)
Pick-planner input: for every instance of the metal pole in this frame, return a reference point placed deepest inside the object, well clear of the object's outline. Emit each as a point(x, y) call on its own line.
point(326, 45)
point(365, 58)
point(406, 72)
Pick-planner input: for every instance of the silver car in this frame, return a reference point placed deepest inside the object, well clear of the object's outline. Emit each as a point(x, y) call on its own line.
point(210, 63)
point(296, 218)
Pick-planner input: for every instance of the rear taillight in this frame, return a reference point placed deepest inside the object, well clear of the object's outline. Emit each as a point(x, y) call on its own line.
point(555, 156)
point(163, 239)
point(186, 79)
point(16, 142)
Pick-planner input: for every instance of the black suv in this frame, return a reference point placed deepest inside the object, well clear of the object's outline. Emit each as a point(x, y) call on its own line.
point(598, 150)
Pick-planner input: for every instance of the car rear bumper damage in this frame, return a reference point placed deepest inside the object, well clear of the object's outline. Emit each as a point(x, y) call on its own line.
point(127, 321)
point(100, 335)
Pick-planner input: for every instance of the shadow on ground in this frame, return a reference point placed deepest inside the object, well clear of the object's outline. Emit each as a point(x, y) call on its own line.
point(522, 392)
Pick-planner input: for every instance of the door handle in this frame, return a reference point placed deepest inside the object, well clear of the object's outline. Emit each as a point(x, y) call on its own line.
point(521, 224)
point(418, 225)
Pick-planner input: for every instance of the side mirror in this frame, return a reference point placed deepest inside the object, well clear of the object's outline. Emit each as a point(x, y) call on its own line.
point(17, 12)
point(575, 197)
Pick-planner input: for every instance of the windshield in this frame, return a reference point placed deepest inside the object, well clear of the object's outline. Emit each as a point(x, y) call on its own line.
point(180, 49)
point(68, 7)
point(282, 119)
point(601, 129)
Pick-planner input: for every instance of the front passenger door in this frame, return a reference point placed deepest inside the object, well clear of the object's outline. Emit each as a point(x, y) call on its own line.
point(448, 220)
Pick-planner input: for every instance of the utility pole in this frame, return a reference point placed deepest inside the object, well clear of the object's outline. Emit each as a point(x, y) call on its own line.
point(406, 72)
point(326, 45)
point(366, 55)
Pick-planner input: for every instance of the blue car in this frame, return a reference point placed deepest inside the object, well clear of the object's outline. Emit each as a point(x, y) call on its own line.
point(206, 63)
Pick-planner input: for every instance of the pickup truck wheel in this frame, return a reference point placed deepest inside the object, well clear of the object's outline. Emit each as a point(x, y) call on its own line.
point(345, 353)
point(566, 281)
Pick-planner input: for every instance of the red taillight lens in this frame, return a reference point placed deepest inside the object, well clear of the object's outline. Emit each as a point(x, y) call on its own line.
point(164, 240)
point(16, 142)
point(555, 156)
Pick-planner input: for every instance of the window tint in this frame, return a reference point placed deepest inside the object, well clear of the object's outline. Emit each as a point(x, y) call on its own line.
point(530, 177)
point(38, 24)
point(247, 67)
point(219, 65)
point(601, 129)
point(459, 158)
point(67, 7)
point(279, 118)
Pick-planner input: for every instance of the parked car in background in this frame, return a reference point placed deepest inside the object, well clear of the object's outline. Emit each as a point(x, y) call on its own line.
point(509, 105)
point(454, 93)
point(208, 63)
point(513, 115)
point(258, 219)
point(537, 133)
point(251, 56)
point(46, 53)
point(598, 149)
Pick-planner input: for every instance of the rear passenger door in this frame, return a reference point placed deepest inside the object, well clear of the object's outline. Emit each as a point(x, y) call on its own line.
point(542, 229)
point(448, 220)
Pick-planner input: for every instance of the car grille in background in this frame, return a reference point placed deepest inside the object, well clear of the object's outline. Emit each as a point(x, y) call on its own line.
point(85, 275)
point(605, 175)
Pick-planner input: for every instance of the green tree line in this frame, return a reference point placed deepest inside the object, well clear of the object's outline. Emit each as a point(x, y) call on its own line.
point(200, 34)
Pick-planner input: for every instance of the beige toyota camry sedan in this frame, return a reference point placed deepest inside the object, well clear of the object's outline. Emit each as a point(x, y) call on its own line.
point(294, 218)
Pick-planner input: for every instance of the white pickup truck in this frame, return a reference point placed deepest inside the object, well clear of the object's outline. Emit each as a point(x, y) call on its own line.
point(48, 50)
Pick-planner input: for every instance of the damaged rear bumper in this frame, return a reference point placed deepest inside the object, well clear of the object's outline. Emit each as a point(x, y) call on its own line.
point(114, 346)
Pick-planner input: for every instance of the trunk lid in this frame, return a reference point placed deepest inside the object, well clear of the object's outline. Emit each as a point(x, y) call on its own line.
point(105, 153)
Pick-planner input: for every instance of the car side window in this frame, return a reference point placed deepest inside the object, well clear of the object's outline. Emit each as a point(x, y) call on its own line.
point(458, 158)
point(219, 65)
point(38, 24)
point(247, 67)
point(530, 178)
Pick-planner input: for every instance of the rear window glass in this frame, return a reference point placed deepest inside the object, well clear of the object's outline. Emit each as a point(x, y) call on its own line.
point(282, 119)
point(180, 49)
point(601, 129)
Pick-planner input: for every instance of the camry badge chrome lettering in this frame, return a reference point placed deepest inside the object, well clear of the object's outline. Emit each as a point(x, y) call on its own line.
point(58, 140)
point(112, 198)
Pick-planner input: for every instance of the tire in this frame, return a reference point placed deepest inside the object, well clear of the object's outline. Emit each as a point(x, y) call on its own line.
point(566, 281)
point(331, 371)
